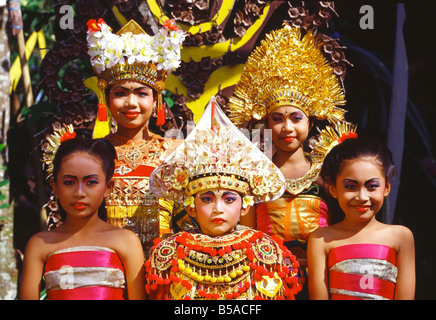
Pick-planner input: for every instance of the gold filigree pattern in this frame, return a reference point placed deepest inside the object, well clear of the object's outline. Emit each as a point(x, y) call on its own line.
point(217, 155)
point(134, 153)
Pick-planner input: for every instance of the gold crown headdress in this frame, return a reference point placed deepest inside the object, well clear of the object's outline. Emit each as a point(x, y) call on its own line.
point(53, 142)
point(132, 54)
point(216, 154)
point(287, 69)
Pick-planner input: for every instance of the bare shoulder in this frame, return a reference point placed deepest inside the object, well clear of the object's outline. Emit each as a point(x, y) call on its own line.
point(398, 236)
point(318, 233)
point(124, 241)
point(325, 234)
point(319, 239)
point(38, 246)
point(397, 232)
point(402, 233)
point(38, 238)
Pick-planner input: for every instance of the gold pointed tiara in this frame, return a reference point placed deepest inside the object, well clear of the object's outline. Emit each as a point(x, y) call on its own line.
point(216, 154)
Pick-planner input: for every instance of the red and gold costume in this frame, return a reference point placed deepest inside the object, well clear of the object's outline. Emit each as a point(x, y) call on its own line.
point(131, 204)
point(244, 264)
point(132, 54)
point(241, 263)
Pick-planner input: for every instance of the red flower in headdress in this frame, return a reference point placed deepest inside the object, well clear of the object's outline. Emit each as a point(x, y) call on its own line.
point(171, 25)
point(347, 135)
point(94, 25)
point(67, 136)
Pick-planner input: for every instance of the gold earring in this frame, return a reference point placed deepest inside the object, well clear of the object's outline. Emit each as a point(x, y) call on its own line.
point(53, 204)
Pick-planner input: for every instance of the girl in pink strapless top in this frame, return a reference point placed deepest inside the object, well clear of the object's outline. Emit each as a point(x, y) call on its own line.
point(84, 258)
point(362, 271)
point(360, 257)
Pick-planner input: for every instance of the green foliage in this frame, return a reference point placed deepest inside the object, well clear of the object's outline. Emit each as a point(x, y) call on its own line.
point(37, 15)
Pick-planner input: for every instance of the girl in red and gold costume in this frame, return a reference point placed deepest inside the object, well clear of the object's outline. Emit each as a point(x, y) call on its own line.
point(360, 257)
point(131, 69)
point(219, 174)
point(287, 85)
point(85, 258)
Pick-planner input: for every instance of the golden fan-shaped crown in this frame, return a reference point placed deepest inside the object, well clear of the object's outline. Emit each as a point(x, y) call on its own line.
point(287, 69)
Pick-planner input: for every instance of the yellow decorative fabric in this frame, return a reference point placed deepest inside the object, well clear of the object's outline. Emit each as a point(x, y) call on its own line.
point(293, 217)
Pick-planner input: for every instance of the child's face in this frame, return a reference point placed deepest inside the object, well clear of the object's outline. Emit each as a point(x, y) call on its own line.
point(131, 103)
point(289, 126)
point(360, 188)
point(81, 184)
point(217, 211)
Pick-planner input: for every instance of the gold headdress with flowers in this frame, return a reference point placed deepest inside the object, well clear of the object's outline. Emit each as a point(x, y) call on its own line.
point(331, 136)
point(216, 154)
point(53, 142)
point(287, 69)
point(134, 55)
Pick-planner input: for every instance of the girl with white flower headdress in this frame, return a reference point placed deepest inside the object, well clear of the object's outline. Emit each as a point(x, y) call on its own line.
point(131, 67)
point(219, 174)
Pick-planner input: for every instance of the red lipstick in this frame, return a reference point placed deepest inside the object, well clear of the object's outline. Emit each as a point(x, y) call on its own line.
point(79, 205)
point(218, 220)
point(362, 209)
point(131, 114)
point(289, 139)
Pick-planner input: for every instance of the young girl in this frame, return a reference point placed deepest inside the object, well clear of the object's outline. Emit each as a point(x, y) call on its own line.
point(131, 68)
point(84, 258)
point(360, 257)
point(280, 89)
point(219, 174)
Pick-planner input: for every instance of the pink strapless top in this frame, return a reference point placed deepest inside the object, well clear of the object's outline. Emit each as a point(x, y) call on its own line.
point(84, 273)
point(362, 271)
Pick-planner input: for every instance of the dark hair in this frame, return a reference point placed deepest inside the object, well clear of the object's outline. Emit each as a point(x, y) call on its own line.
point(348, 150)
point(100, 148)
point(356, 148)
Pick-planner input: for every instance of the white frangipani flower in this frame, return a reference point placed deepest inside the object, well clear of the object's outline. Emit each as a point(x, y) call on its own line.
point(107, 49)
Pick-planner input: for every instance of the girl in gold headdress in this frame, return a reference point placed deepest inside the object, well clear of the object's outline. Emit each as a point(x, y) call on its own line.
point(218, 174)
point(131, 68)
point(286, 84)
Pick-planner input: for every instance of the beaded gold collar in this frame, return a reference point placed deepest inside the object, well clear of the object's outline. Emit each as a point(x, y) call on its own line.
point(244, 264)
point(134, 153)
point(296, 186)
